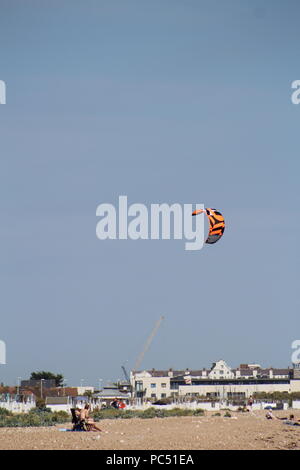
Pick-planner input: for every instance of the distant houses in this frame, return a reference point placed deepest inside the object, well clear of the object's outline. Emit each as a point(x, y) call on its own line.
point(100, 399)
point(220, 381)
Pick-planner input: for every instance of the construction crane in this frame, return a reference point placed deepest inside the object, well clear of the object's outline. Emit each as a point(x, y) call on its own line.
point(125, 374)
point(147, 344)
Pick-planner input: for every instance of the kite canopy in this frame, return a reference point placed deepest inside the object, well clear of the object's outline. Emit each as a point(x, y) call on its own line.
point(216, 224)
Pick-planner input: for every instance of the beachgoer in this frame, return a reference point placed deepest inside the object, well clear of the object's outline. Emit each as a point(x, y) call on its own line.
point(90, 423)
point(250, 401)
point(291, 421)
point(269, 415)
point(291, 417)
point(115, 404)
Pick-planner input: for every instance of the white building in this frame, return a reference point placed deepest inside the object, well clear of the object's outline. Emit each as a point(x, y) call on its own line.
point(151, 384)
point(219, 382)
point(220, 370)
point(82, 390)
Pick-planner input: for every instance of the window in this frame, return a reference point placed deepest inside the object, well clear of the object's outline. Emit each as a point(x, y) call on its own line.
point(163, 385)
point(153, 385)
point(239, 395)
point(163, 395)
point(139, 386)
point(153, 395)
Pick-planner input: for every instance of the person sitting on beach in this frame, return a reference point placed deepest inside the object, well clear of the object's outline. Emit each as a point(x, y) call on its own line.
point(90, 423)
point(115, 404)
point(269, 415)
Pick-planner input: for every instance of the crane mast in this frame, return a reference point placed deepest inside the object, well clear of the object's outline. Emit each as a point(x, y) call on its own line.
point(147, 344)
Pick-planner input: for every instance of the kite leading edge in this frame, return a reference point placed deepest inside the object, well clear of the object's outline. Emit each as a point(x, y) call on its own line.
point(216, 224)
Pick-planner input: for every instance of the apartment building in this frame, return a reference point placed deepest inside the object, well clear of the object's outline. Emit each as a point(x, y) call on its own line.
point(220, 382)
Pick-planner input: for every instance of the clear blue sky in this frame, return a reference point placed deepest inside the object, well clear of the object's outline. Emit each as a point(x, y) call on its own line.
point(162, 101)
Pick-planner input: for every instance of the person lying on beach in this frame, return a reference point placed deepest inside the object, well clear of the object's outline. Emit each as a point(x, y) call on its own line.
point(90, 423)
point(291, 420)
point(291, 417)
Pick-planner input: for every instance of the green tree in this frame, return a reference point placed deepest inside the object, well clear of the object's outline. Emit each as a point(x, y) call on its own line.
point(59, 378)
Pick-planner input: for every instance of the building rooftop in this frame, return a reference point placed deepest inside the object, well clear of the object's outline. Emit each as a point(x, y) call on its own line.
point(111, 393)
point(57, 400)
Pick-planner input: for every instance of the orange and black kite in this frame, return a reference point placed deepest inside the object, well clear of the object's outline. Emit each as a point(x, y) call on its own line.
point(216, 224)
